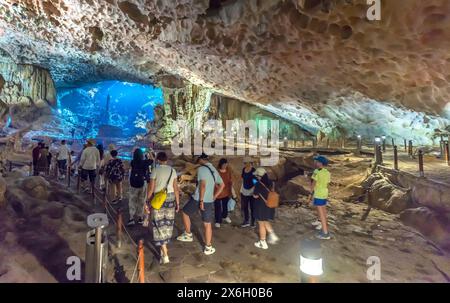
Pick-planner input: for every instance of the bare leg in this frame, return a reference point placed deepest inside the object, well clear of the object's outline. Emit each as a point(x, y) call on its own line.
point(208, 233)
point(268, 226)
point(164, 251)
point(322, 210)
point(187, 223)
point(120, 189)
point(262, 230)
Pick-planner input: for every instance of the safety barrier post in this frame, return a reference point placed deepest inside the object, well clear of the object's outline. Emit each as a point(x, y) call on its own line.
point(410, 148)
point(421, 172)
point(395, 157)
point(119, 228)
point(141, 261)
point(447, 153)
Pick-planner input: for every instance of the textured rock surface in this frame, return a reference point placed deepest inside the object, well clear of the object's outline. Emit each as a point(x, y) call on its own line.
point(305, 53)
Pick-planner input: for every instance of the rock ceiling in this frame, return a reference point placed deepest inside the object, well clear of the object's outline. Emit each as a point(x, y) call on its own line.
point(261, 51)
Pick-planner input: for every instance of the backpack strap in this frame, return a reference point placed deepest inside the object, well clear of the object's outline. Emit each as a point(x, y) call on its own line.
point(170, 177)
point(210, 170)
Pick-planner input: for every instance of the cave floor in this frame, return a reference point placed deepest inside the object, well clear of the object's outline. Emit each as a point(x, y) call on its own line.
point(405, 254)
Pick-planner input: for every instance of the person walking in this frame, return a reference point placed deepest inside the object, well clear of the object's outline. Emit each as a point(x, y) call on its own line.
point(247, 200)
point(263, 214)
point(89, 162)
point(115, 173)
point(203, 200)
point(221, 203)
point(319, 188)
point(62, 157)
point(164, 177)
point(139, 178)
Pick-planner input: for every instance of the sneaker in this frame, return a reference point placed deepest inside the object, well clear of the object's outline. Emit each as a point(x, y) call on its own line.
point(272, 238)
point(323, 236)
point(217, 225)
point(116, 201)
point(140, 221)
point(164, 260)
point(227, 220)
point(185, 237)
point(253, 225)
point(131, 222)
point(262, 244)
point(315, 223)
point(209, 250)
point(245, 224)
point(318, 227)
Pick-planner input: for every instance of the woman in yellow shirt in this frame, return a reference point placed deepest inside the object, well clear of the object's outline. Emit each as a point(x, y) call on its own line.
point(319, 188)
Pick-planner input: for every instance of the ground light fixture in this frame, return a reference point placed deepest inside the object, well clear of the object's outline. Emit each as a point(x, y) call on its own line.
point(310, 261)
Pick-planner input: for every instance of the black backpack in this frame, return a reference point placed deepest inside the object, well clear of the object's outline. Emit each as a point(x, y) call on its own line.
point(138, 175)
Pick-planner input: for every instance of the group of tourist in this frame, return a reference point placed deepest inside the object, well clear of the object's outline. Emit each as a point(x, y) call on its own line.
point(154, 194)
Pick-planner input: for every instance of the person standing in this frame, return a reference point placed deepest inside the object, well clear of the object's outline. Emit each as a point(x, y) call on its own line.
point(319, 188)
point(164, 177)
point(139, 177)
point(247, 200)
point(221, 203)
point(263, 214)
point(62, 156)
point(115, 173)
point(101, 171)
point(89, 162)
point(203, 201)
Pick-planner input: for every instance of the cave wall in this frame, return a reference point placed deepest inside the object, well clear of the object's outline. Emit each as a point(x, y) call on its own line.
point(26, 92)
point(224, 108)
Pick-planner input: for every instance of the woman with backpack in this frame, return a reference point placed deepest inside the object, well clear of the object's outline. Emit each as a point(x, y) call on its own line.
point(139, 178)
point(263, 213)
point(163, 184)
point(115, 173)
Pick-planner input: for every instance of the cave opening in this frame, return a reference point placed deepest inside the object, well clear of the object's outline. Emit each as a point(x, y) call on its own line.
point(106, 109)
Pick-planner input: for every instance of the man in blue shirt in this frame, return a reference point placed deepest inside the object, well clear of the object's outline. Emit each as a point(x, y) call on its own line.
point(209, 186)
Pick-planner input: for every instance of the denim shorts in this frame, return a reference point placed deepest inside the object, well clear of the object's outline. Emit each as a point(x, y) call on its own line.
point(320, 202)
point(193, 207)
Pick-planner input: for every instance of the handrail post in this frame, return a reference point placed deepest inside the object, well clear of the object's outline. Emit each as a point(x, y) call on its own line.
point(395, 157)
point(141, 261)
point(119, 228)
point(421, 172)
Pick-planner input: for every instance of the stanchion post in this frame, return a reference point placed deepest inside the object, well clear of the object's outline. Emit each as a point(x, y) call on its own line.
point(98, 254)
point(395, 157)
point(141, 261)
point(31, 168)
point(447, 153)
point(393, 142)
point(10, 165)
point(119, 228)
point(78, 181)
point(378, 155)
point(406, 148)
point(421, 172)
point(328, 142)
point(410, 148)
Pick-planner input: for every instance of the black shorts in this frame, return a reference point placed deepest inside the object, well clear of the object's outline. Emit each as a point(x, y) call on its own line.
point(193, 207)
point(85, 173)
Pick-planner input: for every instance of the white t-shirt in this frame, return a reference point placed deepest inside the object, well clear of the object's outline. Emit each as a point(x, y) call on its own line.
point(63, 152)
point(90, 158)
point(161, 174)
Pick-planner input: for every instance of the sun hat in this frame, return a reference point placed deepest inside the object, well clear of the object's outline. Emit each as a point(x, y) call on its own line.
point(91, 141)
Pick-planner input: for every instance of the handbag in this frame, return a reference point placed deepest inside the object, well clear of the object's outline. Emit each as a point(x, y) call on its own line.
point(231, 204)
point(160, 197)
point(273, 199)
